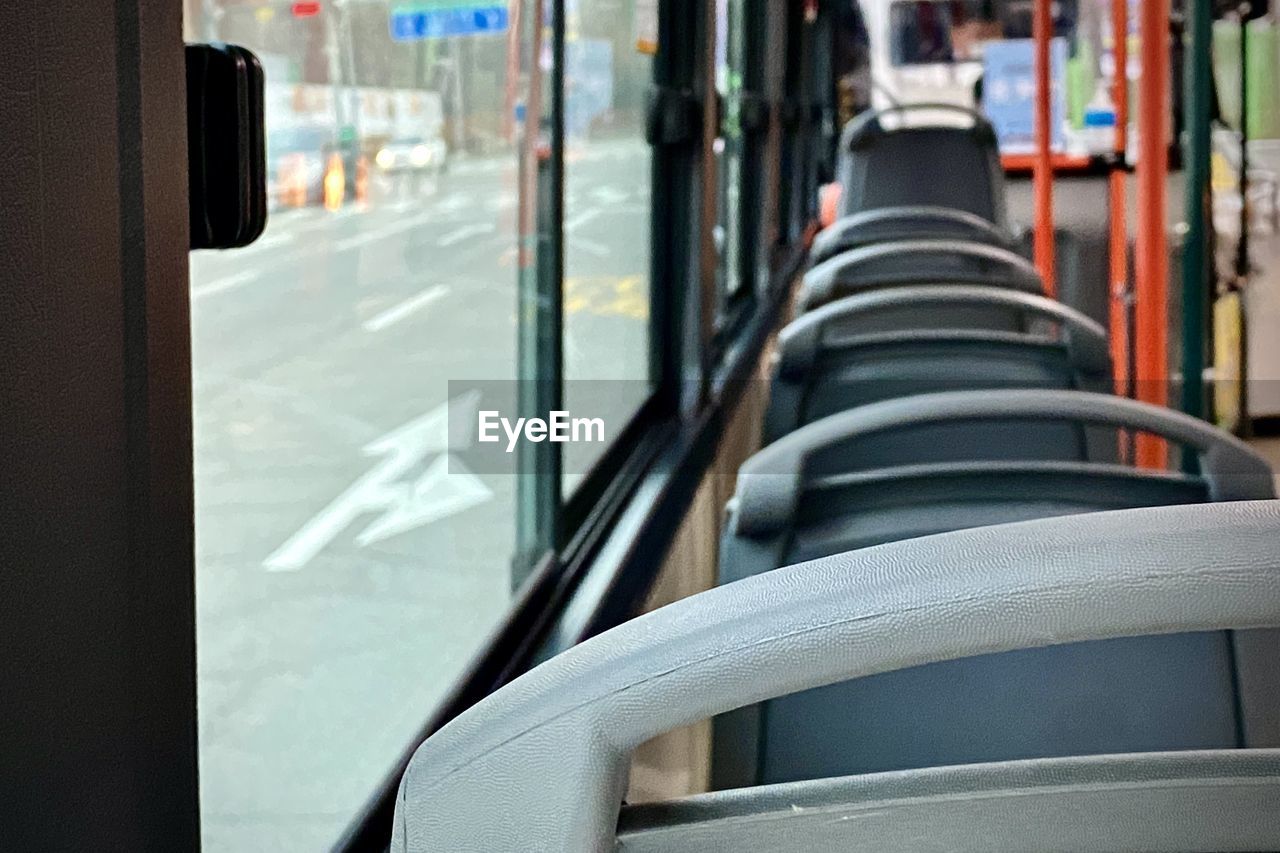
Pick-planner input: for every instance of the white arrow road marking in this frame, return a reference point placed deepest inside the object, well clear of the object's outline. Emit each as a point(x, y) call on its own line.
point(436, 494)
point(400, 310)
point(445, 488)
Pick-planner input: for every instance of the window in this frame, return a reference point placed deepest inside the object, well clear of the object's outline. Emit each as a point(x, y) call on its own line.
point(609, 47)
point(770, 56)
point(927, 32)
point(740, 159)
point(729, 148)
point(349, 564)
point(942, 31)
point(922, 33)
point(1016, 18)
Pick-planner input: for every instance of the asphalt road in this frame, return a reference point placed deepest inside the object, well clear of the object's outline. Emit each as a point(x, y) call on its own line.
point(347, 568)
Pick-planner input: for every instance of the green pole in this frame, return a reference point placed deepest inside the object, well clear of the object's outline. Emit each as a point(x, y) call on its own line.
point(1196, 261)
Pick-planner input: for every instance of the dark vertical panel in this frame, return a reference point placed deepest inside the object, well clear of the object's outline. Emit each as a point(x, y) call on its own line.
point(552, 324)
point(755, 21)
point(1197, 266)
point(157, 341)
point(674, 206)
point(97, 621)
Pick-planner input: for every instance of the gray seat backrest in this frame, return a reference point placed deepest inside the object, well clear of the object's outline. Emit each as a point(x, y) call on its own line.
point(1181, 801)
point(1130, 695)
point(885, 161)
point(920, 222)
point(848, 511)
point(907, 262)
point(770, 482)
point(542, 763)
point(870, 347)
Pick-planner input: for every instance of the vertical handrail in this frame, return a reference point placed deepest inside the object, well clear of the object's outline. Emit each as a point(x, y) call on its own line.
point(1151, 309)
point(1244, 424)
point(1121, 297)
point(1045, 251)
point(1197, 267)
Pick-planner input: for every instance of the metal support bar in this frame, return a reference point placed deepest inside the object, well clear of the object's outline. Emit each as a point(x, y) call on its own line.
point(1045, 251)
point(1121, 303)
point(1243, 266)
point(1152, 306)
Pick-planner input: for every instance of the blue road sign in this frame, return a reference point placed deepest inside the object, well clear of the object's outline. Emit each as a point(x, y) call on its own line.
point(1009, 92)
point(415, 23)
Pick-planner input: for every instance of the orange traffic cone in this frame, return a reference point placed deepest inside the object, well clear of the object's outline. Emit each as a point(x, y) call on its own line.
point(335, 183)
point(362, 180)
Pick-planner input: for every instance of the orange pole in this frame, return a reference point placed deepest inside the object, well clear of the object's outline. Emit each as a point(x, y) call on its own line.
point(1045, 254)
point(1151, 291)
point(1119, 249)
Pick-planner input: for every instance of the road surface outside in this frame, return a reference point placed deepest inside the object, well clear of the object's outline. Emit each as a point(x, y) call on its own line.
point(346, 570)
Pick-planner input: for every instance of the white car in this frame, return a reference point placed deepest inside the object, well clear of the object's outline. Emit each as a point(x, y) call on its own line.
point(414, 154)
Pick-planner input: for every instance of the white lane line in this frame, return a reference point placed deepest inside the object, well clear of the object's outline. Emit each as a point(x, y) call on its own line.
point(582, 218)
point(324, 218)
point(390, 230)
point(348, 243)
point(591, 247)
point(454, 202)
point(396, 313)
point(269, 241)
point(501, 202)
point(218, 285)
point(355, 242)
point(466, 231)
point(609, 195)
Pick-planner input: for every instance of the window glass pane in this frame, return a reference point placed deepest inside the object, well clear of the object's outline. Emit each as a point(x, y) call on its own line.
point(729, 147)
point(945, 31)
point(349, 564)
point(773, 58)
point(921, 33)
point(608, 73)
point(1016, 17)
